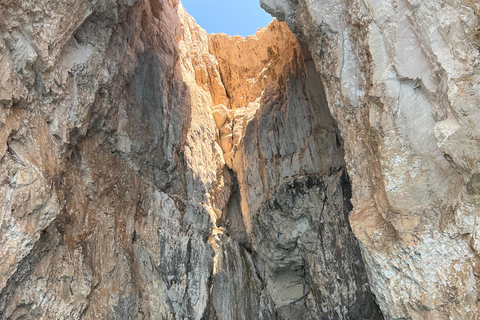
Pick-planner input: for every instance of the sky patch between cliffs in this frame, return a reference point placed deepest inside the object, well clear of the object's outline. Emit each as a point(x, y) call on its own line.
point(233, 17)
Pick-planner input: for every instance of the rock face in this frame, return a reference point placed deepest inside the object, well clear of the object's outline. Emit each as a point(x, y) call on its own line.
point(406, 97)
point(152, 171)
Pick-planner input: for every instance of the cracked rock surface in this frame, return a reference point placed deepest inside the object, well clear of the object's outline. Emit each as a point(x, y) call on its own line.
point(148, 169)
point(406, 98)
point(151, 171)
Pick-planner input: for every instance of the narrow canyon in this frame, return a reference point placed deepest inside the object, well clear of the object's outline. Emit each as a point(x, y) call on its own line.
point(327, 167)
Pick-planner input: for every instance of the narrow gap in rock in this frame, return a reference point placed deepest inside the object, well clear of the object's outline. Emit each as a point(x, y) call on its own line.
point(282, 198)
point(233, 220)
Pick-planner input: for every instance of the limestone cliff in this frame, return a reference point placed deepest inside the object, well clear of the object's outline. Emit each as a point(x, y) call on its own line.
point(152, 171)
point(402, 80)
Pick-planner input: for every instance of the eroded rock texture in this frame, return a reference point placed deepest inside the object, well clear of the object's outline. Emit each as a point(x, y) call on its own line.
point(402, 79)
point(152, 171)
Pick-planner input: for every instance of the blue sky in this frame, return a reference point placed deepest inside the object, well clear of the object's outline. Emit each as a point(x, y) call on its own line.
point(233, 17)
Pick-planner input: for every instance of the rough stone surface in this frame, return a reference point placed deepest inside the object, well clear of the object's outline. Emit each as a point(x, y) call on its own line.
point(151, 171)
point(295, 202)
point(276, 132)
point(95, 176)
point(402, 80)
point(246, 78)
point(125, 172)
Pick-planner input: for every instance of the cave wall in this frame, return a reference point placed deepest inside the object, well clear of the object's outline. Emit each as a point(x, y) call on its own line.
point(102, 117)
point(152, 171)
point(133, 147)
point(402, 80)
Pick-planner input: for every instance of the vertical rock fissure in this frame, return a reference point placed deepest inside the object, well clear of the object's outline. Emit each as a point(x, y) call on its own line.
point(233, 221)
point(290, 196)
point(42, 247)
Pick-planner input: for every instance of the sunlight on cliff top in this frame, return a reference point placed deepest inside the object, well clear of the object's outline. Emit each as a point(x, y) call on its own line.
point(231, 17)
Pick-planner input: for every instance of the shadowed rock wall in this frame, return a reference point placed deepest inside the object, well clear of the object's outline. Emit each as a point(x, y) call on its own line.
point(402, 81)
